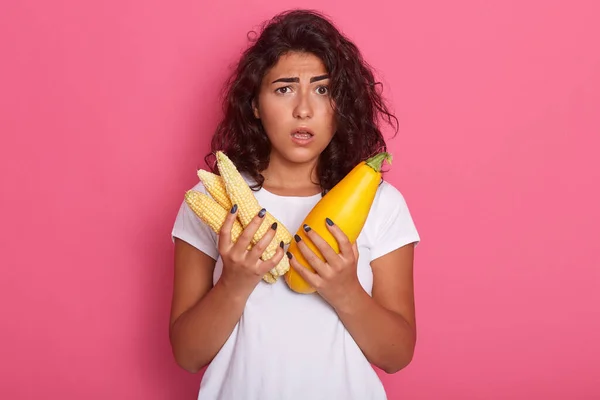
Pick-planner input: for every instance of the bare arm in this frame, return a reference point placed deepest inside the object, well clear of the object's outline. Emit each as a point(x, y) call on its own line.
point(203, 316)
point(383, 326)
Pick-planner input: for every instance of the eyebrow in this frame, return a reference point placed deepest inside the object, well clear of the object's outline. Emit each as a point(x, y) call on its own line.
point(292, 80)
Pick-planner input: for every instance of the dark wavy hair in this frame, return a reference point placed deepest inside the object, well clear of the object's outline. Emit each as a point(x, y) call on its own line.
point(358, 105)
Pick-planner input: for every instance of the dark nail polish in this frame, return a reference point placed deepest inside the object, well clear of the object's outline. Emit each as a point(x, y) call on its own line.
point(281, 244)
point(274, 226)
point(289, 255)
point(262, 213)
point(329, 222)
point(297, 238)
point(306, 228)
point(234, 208)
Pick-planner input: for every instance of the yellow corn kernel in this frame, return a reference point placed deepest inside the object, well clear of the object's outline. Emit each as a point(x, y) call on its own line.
point(240, 193)
point(237, 189)
point(216, 187)
point(211, 213)
point(269, 278)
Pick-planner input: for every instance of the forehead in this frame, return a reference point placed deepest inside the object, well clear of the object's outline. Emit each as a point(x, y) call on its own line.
point(297, 64)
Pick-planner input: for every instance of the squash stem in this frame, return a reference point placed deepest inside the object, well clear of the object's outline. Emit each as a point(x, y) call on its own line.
point(376, 162)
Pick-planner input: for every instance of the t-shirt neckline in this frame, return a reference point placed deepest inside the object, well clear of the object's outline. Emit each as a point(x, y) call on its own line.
point(299, 198)
point(310, 198)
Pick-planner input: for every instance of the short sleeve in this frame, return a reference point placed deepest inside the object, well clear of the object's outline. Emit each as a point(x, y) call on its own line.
point(191, 229)
point(392, 225)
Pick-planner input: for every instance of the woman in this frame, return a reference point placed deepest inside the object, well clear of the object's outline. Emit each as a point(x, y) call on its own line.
point(301, 110)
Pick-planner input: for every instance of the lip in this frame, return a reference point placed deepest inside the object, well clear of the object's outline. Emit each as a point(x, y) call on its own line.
point(300, 141)
point(303, 129)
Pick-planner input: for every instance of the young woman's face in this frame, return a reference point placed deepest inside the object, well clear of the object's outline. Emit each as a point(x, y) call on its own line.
point(295, 108)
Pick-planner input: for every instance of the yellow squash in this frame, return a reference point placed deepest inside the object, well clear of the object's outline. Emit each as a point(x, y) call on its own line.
point(347, 204)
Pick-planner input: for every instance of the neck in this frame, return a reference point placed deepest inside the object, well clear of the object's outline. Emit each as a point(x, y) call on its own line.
point(289, 178)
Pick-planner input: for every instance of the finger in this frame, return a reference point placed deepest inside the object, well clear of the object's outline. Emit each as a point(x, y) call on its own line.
point(343, 241)
point(312, 278)
point(248, 233)
point(268, 265)
point(262, 244)
point(225, 240)
point(325, 248)
point(314, 260)
point(355, 250)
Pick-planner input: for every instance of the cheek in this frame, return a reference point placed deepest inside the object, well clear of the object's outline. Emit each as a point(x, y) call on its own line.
point(272, 114)
point(329, 118)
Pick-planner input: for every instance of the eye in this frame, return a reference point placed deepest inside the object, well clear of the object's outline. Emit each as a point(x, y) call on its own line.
point(323, 90)
point(283, 90)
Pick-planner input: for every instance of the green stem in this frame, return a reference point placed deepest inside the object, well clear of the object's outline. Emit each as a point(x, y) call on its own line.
point(377, 160)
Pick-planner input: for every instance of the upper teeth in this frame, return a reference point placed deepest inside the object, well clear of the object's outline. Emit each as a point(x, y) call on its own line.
point(302, 134)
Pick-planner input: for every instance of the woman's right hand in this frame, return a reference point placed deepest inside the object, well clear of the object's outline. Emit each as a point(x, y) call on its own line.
point(242, 268)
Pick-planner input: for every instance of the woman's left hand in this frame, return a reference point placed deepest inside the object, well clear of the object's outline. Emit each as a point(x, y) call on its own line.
point(335, 279)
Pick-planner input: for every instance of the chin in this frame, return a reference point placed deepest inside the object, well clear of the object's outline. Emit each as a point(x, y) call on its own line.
point(301, 156)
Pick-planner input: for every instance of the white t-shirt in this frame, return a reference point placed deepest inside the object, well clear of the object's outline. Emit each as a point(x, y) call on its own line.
point(290, 346)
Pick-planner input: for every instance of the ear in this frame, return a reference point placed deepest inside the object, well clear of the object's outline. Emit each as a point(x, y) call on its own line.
point(255, 109)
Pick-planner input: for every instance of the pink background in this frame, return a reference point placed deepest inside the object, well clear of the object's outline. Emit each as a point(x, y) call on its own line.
point(106, 108)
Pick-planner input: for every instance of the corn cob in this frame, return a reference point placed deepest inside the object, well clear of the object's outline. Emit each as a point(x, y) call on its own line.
point(212, 214)
point(239, 193)
point(238, 190)
point(216, 187)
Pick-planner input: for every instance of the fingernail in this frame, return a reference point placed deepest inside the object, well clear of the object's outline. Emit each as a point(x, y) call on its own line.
point(281, 244)
point(289, 255)
point(297, 238)
point(234, 208)
point(306, 228)
point(329, 222)
point(274, 226)
point(262, 213)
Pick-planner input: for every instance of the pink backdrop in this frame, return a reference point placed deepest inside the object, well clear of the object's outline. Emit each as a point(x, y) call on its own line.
point(106, 110)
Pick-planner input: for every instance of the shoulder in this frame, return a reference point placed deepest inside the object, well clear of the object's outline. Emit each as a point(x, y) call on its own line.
point(389, 224)
point(388, 198)
point(185, 212)
point(191, 229)
point(199, 187)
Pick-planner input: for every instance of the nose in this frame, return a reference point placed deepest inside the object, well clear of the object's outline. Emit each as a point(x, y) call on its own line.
point(303, 108)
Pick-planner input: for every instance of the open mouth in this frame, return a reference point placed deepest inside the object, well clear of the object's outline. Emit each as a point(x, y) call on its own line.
point(302, 134)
